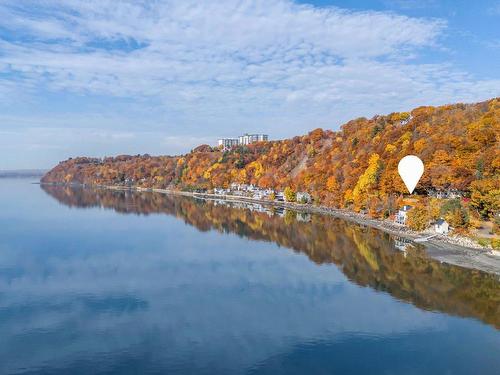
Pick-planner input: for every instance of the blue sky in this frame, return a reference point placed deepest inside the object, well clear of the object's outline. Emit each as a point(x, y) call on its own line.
point(107, 77)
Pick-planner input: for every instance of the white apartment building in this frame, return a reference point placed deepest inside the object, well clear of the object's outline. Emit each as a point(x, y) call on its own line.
point(246, 138)
point(228, 142)
point(242, 140)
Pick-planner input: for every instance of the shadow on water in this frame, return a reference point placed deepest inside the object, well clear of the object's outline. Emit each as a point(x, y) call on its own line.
point(365, 255)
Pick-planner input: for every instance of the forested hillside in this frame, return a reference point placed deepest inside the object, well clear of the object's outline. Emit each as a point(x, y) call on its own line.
point(355, 167)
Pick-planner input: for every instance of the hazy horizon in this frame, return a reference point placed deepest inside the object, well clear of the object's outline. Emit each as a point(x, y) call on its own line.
point(103, 78)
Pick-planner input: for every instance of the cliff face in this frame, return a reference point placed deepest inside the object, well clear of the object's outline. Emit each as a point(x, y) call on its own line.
point(356, 166)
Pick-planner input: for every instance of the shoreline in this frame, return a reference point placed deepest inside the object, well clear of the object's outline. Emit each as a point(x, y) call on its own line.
point(459, 251)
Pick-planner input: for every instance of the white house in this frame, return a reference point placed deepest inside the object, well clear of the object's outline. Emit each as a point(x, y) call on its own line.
point(262, 194)
point(259, 195)
point(238, 187)
point(401, 215)
point(441, 226)
point(303, 197)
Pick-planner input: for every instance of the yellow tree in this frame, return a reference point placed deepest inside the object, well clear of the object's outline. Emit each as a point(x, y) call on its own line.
point(418, 218)
point(289, 194)
point(485, 196)
point(366, 182)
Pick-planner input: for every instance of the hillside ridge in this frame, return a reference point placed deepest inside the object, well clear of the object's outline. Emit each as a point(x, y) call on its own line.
point(354, 167)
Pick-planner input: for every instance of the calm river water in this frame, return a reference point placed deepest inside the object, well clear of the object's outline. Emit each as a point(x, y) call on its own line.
point(101, 282)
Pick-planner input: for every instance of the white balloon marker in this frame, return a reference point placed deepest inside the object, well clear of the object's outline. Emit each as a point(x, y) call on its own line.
point(410, 169)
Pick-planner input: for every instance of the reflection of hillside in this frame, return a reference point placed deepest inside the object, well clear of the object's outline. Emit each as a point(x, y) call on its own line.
point(366, 256)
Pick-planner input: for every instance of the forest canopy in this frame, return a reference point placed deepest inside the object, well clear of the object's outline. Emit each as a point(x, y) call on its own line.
point(354, 167)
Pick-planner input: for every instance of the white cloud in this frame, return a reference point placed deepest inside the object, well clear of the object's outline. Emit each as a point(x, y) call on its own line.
point(210, 67)
point(495, 9)
point(199, 47)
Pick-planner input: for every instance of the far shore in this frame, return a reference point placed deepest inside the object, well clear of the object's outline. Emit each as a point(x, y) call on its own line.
point(456, 250)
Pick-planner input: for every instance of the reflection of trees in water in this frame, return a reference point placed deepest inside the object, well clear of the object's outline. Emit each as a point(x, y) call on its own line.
point(365, 255)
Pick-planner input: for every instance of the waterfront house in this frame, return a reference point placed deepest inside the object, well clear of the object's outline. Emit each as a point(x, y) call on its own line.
point(220, 191)
point(262, 194)
point(441, 226)
point(303, 197)
point(258, 195)
point(280, 196)
point(401, 215)
point(234, 186)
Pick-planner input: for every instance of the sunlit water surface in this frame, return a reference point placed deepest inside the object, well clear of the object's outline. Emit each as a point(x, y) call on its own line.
point(95, 282)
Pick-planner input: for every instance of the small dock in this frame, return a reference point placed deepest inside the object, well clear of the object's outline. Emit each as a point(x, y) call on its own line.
point(425, 239)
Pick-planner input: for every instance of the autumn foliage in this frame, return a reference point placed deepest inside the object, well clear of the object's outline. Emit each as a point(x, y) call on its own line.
point(355, 167)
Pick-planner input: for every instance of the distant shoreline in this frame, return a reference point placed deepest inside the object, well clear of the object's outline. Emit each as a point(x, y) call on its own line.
point(22, 173)
point(460, 251)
